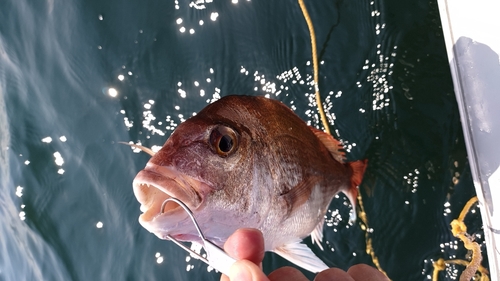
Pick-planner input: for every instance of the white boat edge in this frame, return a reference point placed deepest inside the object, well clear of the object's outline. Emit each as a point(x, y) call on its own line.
point(471, 32)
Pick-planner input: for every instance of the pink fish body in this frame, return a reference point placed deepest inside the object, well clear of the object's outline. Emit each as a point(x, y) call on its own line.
point(247, 162)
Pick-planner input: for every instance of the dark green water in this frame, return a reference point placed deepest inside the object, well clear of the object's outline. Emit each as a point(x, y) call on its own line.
point(67, 210)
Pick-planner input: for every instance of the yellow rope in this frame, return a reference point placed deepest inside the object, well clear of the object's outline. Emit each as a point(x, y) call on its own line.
point(364, 226)
point(315, 65)
point(466, 208)
point(439, 265)
point(459, 230)
point(362, 214)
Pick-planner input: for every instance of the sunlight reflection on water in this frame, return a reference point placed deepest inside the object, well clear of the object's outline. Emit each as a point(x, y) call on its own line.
point(79, 81)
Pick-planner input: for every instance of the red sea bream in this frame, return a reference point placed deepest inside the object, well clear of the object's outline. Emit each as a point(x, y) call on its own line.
point(247, 162)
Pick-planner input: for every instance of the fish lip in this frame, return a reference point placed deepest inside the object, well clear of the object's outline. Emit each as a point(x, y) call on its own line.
point(153, 185)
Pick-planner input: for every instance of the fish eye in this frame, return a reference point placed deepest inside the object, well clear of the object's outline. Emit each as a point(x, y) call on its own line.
point(223, 140)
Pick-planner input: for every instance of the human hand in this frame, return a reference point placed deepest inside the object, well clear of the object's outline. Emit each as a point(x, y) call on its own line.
point(247, 246)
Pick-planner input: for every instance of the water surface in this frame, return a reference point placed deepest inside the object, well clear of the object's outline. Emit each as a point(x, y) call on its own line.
point(77, 77)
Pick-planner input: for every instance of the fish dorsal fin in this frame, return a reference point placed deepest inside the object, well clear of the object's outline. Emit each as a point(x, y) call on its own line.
point(299, 194)
point(334, 146)
point(299, 254)
point(317, 234)
point(358, 170)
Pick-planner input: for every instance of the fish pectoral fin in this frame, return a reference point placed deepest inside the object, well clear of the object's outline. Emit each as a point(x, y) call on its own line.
point(317, 234)
point(299, 254)
point(299, 194)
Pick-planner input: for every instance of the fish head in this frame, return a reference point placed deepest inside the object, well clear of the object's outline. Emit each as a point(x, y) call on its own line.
point(210, 163)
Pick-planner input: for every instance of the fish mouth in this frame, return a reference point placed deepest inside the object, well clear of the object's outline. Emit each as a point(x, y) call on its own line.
point(155, 184)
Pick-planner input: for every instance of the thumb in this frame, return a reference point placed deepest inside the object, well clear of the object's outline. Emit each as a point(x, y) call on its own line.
point(244, 270)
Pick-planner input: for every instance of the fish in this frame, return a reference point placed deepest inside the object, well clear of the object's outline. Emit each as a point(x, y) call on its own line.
point(247, 162)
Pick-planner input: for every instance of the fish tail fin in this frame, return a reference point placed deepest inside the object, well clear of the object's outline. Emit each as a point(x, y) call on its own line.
point(358, 170)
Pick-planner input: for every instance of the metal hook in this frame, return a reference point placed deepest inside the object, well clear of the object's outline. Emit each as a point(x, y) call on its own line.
point(187, 210)
point(216, 257)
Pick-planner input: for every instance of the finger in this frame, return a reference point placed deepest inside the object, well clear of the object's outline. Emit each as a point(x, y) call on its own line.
point(244, 270)
point(287, 273)
point(333, 274)
point(246, 243)
point(362, 272)
point(224, 277)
